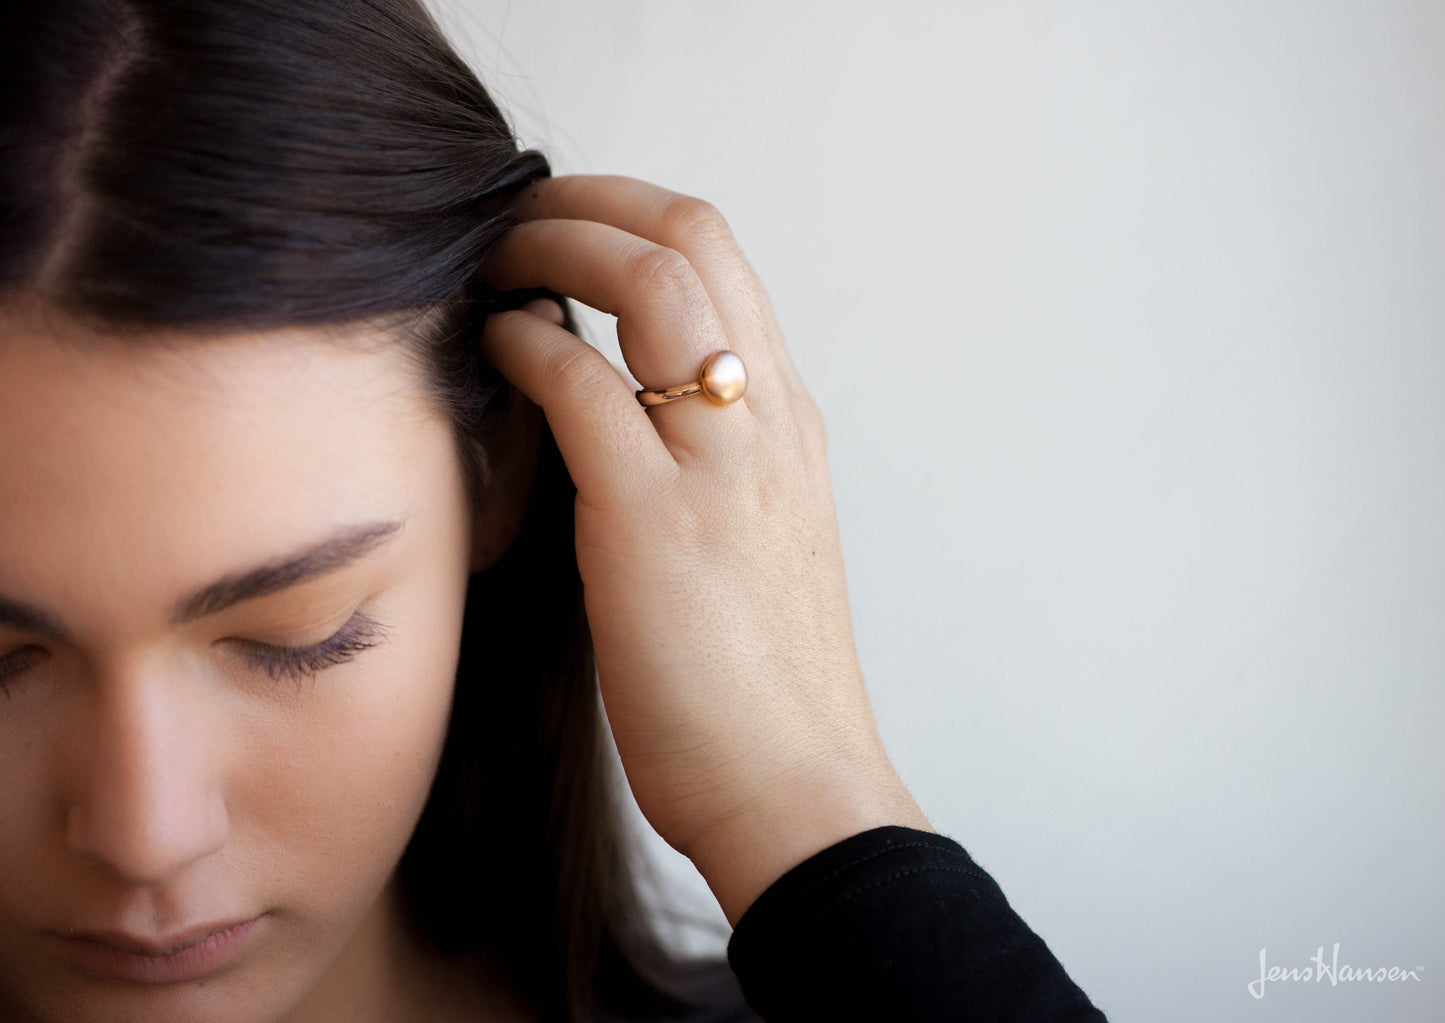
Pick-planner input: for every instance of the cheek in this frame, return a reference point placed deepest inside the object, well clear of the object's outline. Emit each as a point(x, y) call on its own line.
point(337, 793)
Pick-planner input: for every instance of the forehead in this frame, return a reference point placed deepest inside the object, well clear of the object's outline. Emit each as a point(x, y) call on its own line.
point(127, 464)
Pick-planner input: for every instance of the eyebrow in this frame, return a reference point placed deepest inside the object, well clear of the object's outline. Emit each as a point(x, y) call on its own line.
point(342, 548)
point(25, 618)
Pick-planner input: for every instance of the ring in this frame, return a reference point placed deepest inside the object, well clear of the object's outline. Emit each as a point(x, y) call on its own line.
point(722, 380)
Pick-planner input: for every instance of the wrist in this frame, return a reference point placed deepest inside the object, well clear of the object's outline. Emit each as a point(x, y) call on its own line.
point(740, 856)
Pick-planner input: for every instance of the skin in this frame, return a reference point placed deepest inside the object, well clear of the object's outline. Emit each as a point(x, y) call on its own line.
point(706, 536)
point(155, 777)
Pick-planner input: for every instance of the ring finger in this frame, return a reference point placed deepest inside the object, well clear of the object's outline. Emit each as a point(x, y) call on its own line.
point(666, 323)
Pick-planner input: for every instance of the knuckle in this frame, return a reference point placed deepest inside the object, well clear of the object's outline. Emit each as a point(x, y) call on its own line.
point(695, 219)
point(814, 417)
point(663, 273)
point(810, 419)
point(576, 371)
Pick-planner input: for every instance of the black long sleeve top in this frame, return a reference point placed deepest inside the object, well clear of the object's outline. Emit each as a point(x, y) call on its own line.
point(896, 924)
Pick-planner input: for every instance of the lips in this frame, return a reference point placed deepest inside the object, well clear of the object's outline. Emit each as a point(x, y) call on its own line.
point(190, 954)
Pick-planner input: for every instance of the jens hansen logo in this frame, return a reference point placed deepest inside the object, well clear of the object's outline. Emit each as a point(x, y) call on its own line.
point(1331, 971)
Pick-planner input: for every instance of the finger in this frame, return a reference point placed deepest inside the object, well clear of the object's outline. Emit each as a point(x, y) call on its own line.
point(606, 438)
point(687, 224)
point(667, 319)
point(666, 324)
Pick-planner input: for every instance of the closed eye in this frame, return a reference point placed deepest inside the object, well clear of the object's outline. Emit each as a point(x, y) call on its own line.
point(359, 634)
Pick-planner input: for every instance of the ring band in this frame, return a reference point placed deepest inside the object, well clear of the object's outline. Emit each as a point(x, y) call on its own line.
point(722, 380)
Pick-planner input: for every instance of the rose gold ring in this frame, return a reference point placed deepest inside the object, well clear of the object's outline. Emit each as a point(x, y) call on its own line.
point(722, 380)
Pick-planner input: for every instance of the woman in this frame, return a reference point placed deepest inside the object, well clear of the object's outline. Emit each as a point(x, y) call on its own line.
point(309, 533)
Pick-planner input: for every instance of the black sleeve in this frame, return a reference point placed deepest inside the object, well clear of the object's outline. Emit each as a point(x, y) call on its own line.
point(897, 924)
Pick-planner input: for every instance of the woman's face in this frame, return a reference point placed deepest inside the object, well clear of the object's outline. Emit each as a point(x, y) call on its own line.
point(232, 576)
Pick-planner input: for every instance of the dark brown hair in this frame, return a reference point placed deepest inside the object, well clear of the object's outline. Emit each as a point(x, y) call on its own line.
point(219, 166)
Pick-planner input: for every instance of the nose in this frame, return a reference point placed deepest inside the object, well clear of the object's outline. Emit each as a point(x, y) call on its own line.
point(149, 799)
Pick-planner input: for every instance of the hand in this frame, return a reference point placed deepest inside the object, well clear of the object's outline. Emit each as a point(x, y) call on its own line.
point(706, 536)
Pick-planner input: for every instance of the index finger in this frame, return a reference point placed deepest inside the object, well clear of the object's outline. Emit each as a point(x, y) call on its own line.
point(691, 226)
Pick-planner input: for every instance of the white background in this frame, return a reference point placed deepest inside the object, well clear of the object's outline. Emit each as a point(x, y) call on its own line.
point(1126, 320)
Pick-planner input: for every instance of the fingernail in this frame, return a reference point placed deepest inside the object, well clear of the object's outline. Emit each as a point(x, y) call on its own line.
point(545, 308)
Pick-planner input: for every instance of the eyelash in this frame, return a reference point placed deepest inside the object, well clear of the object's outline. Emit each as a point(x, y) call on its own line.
point(13, 664)
point(360, 633)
